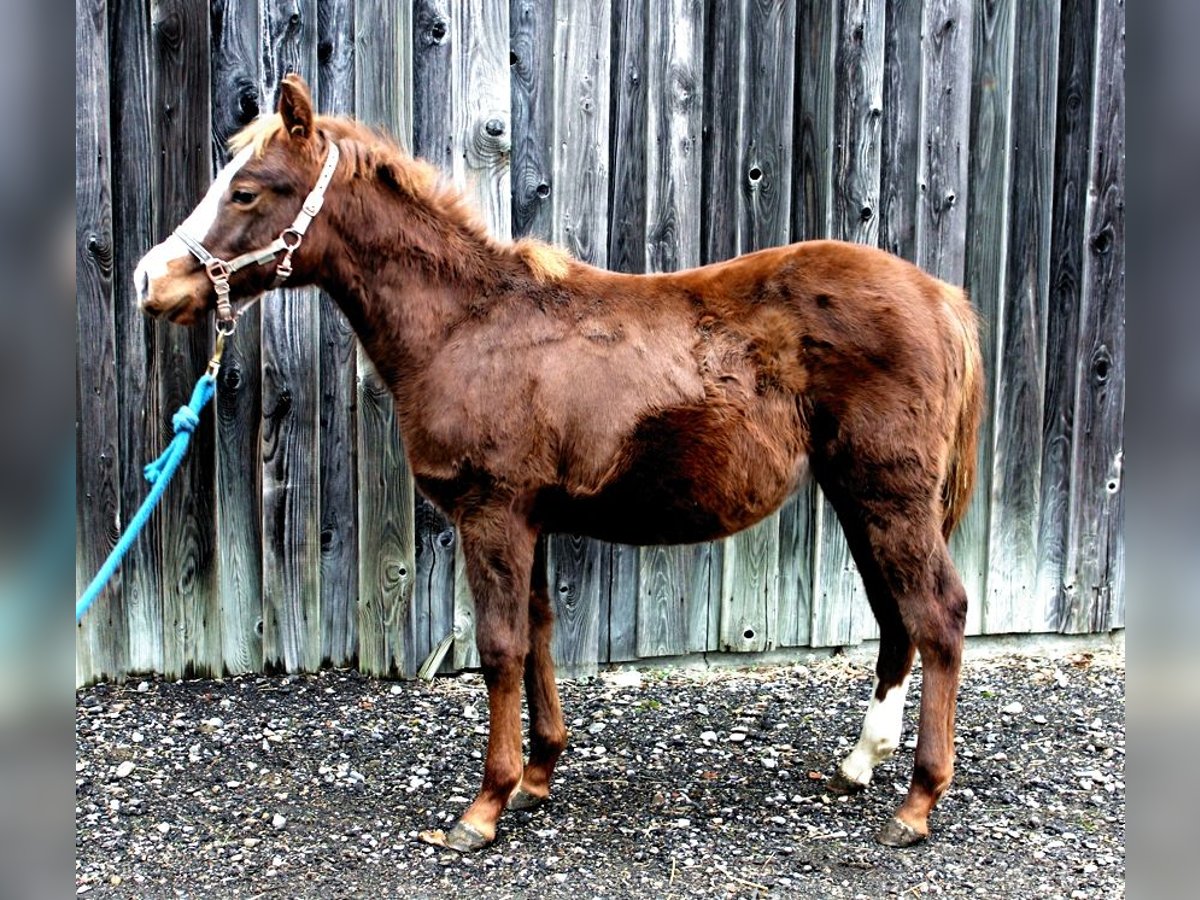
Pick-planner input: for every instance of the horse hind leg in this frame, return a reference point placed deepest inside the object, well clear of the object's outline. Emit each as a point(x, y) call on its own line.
point(921, 606)
point(547, 733)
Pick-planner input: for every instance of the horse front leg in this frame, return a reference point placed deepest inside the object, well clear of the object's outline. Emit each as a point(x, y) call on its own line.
point(498, 547)
point(547, 733)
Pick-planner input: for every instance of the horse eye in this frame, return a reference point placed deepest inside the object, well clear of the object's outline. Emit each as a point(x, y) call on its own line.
point(243, 198)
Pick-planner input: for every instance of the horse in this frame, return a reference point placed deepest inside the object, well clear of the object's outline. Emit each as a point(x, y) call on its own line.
point(537, 394)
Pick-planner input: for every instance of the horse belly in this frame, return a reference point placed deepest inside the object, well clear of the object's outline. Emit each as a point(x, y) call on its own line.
point(689, 475)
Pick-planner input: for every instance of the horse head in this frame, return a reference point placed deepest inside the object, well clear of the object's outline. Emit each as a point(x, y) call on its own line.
point(244, 237)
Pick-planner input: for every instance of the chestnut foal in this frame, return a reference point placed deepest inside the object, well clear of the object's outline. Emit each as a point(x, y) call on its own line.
point(537, 394)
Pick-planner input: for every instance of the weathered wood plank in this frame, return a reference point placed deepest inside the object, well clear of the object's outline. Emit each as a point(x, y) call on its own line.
point(433, 139)
point(816, 36)
point(386, 496)
point(812, 191)
point(236, 100)
point(858, 111)
point(1021, 346)
point(750, 563)
point(987, 248)
point(673, 580)
point(900, 135)
point(290, 407)
point(182, 145)
point(723, 90)
point(100, 639)
point(626, 253)
point(531, 37)
point(581, 81)
point(480, 140)
point(338, 352)
point(942, 215)
point(1095, 566)
point(137, 397)
point(1073, 134)
point(436, 542)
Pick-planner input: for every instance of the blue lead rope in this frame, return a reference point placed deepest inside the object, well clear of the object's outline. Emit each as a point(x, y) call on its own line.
point(159, 474)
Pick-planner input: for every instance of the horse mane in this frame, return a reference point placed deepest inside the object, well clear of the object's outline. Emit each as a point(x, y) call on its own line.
point(374, 155)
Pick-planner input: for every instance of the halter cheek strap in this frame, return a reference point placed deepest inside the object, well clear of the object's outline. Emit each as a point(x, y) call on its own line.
point(219, 270)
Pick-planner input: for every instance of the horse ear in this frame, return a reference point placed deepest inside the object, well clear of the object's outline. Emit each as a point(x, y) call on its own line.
point(295, 106)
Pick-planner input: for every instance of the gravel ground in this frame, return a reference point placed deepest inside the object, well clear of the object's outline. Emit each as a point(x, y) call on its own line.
point(683, 783)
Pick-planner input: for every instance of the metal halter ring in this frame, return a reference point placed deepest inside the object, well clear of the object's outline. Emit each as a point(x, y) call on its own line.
point(283, 236)
point(218, 270)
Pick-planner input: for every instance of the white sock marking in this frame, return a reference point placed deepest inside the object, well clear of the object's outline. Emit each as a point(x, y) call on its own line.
point(880, 734)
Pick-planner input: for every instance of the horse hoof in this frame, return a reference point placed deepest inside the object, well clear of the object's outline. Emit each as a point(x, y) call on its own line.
point(840, 784)
point(523, 800)
point(897, 834)
point(462, 837)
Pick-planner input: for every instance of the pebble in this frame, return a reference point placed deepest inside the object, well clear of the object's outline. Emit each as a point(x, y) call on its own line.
point(674, 806)
point(125, 769)
point(143, 687)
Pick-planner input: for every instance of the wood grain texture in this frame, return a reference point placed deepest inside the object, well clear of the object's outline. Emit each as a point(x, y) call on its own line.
point(290, 407)
point(673, 591)
point(386, 496)
point(581, 82)
point(1019, 374)
point(383, 64)
point(436, 543)
point(900, 131)
point(434, 139)
point(813, 145)
point(1072, 143)
point(627, 136)
point(480, 137)
point(101, 638)
point(137, 396)
point(627, 245)
point(1095, 566)
point(531, 44)
point(942, 214)
point(237, 98)
point(338, 353)
point(813, 163)
point(723, 90)
point(854, 216)
point(989, 177)
point(186, 519)
point(750, 562)
point(986, 139)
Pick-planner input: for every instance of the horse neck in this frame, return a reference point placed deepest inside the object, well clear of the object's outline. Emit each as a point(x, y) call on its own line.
point(403, 274)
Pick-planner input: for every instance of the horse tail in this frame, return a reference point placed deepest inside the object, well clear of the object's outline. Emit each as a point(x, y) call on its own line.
point(966, 406)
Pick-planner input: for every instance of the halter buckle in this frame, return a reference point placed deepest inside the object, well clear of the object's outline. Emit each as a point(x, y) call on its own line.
point(217, 269)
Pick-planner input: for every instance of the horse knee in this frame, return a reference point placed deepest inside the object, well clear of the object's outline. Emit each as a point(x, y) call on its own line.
point(500, 658)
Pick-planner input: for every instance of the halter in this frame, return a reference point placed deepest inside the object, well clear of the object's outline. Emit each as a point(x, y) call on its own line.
point(289, 239)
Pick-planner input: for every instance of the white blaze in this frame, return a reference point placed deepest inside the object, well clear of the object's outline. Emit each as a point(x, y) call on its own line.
point(154, 264)
point(880, 734)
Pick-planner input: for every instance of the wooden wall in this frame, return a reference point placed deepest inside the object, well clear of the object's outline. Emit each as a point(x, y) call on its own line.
point(983, 140)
